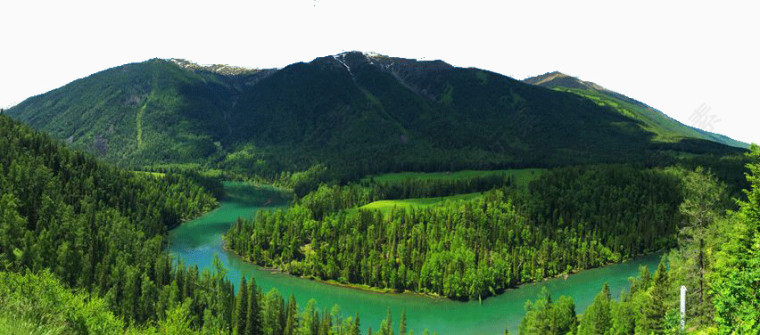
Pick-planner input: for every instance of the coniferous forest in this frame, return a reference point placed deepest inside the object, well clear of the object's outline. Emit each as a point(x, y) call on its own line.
point(716, 259)
point(568, 220)
point(69, 222)
point(82, 246)
point(391, 164)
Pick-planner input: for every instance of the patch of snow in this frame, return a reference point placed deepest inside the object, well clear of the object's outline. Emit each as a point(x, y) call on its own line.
point(340, 59)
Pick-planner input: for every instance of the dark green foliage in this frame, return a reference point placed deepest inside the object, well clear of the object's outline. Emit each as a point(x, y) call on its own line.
point(569, 219)
point(651, 119)
point(597, 318)
point(241, 310)
point(327, 199)
point(87, 226)
point(352, 113)
point(253, 311)
point(291, 316)
point(65, 211)
point(736, 279)
point(716, 259)
point(656, 307)
point(704, 199)
point(546, 317)
point(642, 310)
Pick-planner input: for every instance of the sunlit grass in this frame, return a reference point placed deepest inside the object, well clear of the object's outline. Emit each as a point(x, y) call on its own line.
point(385, 206)
point(522, 176)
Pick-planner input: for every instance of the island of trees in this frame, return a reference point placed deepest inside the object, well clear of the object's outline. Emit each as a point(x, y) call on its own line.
point(81, 246)
point(567, 220)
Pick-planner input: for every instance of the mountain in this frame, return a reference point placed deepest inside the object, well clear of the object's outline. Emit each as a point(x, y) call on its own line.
point(355, 113)
point(653, 120)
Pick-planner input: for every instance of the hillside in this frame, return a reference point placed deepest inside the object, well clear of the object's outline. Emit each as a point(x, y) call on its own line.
point(81, 251)
point(653, 120)
point(356, 113)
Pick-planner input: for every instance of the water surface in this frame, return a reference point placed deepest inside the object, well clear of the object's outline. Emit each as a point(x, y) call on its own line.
point(196, 242)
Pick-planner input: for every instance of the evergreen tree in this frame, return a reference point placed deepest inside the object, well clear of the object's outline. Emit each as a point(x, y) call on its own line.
point(544, 316)
point(657, 305)
point(597, 319)
point(565, 319)
point(703, 196)
point(736, 280)
point(241, 311)
point(291, 316)
point(253, 314)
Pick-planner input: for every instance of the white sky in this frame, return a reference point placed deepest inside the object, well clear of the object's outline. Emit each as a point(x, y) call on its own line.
point(675, 56)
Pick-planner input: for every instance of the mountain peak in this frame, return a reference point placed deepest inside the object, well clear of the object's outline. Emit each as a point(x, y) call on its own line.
point(358, 113)
point(559, 79)
point(223, 69)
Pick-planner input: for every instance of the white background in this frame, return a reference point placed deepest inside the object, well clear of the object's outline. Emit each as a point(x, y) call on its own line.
point(674, 56)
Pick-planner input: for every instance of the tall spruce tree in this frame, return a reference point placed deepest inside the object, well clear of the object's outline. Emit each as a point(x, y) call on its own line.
point(241, 312)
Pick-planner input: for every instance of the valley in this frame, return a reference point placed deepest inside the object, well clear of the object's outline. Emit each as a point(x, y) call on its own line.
point(196, 242)
point(361, 191)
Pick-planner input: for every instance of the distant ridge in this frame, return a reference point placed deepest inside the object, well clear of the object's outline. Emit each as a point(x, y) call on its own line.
point(355, 113)
point(654, 119)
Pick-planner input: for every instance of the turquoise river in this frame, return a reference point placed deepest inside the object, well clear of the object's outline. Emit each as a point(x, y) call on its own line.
point(196, 242)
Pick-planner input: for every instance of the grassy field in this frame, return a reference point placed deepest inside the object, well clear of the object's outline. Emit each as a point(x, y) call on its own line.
point(153, 174)
point(522, 176)
point(386, 206)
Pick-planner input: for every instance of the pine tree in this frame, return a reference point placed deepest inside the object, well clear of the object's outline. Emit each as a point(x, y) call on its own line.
point(703, 195)
point(291, 316)
point(242, 307)
point(736, 280)
point(253, 311)
point(656, 308)
point(597, 319)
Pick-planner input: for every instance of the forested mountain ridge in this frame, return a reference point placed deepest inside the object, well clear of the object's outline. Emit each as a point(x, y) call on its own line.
point(81, 252)
point(666, 128)
point(356, 113)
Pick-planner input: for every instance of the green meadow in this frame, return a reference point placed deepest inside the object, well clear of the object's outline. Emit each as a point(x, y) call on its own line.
point(522, 176)
point(385, 206)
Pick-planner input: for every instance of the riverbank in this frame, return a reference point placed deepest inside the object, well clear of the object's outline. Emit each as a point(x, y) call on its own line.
point(199, 243)
point(377, 290)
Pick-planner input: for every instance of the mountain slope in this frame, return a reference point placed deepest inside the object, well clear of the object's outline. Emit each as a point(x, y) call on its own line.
point(353, 112)
point(666, 128)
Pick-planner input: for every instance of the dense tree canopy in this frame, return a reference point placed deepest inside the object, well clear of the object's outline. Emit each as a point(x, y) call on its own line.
point(570, 219)
point(85, 225)
point(716, 259)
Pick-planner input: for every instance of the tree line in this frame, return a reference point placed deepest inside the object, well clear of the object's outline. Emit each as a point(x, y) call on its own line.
point(568, 220)
point(332, 198)
point(69, 222)
point(716, 259)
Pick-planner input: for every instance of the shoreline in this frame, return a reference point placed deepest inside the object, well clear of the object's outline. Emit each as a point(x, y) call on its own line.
point(376, 290)
point(332, 282)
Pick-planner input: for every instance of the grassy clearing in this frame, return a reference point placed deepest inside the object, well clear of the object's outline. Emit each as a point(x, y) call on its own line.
point(522, 176)
point(385, 206)
point(152, 174)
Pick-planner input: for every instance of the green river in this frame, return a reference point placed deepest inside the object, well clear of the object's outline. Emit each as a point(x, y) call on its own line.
point(197, 241)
